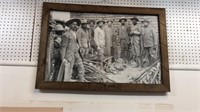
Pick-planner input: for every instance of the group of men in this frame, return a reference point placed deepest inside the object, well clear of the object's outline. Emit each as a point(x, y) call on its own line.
point(83, 37)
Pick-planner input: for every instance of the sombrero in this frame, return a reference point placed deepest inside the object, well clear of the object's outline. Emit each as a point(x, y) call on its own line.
point(134, 18)
point(58, 27)
point(58, 21)
point(100, 21)
point(145, 20)
point(73, 20)
point(122, 19)
point(109, 21)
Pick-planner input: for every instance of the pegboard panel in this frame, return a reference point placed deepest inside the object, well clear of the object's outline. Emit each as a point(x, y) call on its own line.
point(183, 27)
point(16, 26)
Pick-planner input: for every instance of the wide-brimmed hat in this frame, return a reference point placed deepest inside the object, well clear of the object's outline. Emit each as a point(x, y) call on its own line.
point(100, 21)
point(73, 20)
point(58, 27)
point(145, 20)
point(122, 19)
point(134, 18)
point(84, 21)
point(58, 21)
point(91, 20)
point(109, 21)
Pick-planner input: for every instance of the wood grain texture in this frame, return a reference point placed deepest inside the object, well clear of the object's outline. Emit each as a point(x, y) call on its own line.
point(29, 109)
point(114, 87)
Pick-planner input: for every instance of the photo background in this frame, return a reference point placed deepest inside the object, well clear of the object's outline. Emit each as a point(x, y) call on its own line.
point(129, 73)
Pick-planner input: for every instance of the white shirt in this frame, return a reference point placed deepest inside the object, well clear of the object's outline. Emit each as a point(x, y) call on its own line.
point(74, 33)
point(99, 37)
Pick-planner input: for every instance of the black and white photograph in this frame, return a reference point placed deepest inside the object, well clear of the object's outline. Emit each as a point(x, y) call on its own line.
point(103, 48)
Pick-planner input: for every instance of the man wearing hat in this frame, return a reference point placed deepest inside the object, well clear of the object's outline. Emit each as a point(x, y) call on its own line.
point(83, 38)
point(124, 39)
point(109, 32)
point(53, 55)
point(99, 38)
point(56, 61)
point(134, 34)
point(70, 52)
point(92, 43)
point(49, 69)
point(149, 43)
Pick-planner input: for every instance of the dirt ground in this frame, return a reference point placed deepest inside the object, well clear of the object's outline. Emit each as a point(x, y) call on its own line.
point(127, 74)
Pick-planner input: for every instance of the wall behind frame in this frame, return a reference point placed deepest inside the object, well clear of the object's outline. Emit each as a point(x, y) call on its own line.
point(18, 90)
point(20, 24)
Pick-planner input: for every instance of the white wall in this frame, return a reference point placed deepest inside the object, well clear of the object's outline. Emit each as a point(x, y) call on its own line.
point(18, 90)
point(1, 86)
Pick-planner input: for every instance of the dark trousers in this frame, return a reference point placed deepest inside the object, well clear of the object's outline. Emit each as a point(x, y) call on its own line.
point(148, 56)
point(124, 49)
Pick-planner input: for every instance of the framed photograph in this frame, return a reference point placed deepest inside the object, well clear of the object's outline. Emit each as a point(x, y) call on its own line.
point(103, 48)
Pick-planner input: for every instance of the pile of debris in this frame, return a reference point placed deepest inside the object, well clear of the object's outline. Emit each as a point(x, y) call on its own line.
point(150, 76)
point(94, 73)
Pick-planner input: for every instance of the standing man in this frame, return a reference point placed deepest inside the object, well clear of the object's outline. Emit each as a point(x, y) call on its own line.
point(99, 38)
point(92, 43)
point(83, 38)
point(108, 36)
point(69, 52)
point(134, 34)
point(49, 68)
point(116, 52)
point(124, 39)
point(56, 61)
point(149, 43)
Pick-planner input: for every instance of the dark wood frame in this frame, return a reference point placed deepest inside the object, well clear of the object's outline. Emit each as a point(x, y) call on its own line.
point(121, 87)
